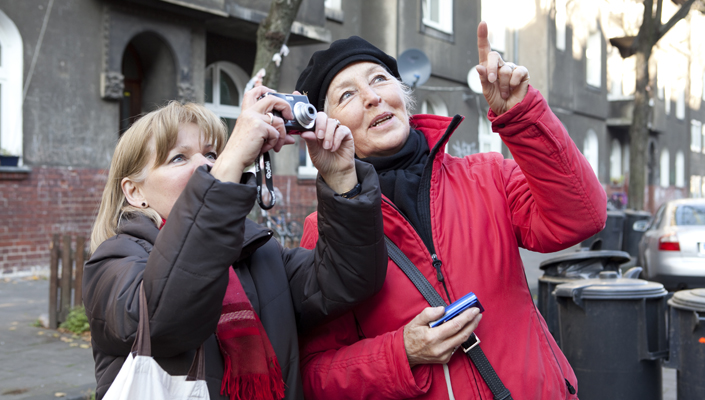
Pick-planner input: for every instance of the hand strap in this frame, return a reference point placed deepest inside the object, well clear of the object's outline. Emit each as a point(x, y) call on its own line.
point(268, 180)
point(471, 346)
point(143, 347)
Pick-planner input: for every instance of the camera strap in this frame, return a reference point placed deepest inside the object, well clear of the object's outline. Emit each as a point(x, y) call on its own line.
point(471, 346)
point(265, 160)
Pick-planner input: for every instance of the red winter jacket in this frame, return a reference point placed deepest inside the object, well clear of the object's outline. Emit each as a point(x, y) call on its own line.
point(482, 209)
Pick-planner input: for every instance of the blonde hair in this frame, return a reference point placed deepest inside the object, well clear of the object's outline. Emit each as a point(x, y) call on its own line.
point(151, 136)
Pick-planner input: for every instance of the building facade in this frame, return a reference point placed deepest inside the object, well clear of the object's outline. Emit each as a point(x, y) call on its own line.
point(75, 73)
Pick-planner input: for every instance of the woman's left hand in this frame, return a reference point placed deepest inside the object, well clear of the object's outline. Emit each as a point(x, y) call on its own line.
point(504, 84)
point(332, 152)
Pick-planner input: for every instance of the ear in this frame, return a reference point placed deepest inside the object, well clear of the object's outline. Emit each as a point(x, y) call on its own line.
point(132, 192)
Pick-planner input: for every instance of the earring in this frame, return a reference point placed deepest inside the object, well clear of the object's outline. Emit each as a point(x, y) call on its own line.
point(144, 204)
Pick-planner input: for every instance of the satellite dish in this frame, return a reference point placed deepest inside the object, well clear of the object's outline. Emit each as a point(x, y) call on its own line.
point(474, 80)
point(414, 67)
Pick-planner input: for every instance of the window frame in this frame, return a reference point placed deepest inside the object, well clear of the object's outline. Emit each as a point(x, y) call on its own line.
point(11, 78)
point(680, 169)
point(616, 160)
point(445, 15)
point(238, 76)
point(696, 136)
point(664, 168)
point(593, 59)
point(591, 143)
point(561, 23)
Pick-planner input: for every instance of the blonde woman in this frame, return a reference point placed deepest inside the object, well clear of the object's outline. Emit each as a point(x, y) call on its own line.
point(173, 217)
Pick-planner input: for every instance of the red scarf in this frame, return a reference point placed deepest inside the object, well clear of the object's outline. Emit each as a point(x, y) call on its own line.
point(256, 373)
point(251, 367)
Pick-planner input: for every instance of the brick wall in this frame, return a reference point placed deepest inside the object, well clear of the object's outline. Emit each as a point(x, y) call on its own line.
point(49, 200)
point(45, 201)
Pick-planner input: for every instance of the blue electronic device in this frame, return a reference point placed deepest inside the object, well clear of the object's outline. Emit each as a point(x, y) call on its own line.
point(462, 304)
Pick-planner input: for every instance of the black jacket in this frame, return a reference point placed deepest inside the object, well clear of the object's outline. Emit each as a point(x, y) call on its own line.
point(184, 268)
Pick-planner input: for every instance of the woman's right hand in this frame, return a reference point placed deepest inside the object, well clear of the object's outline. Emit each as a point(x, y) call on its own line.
point(253, 134)
point(426, 345)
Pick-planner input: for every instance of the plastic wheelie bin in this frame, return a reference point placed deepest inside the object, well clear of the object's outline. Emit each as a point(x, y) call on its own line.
point(613, 333)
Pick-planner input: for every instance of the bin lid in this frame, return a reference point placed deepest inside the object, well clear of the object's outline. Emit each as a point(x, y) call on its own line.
point(584, 264)
point(613, 256)
point(691, 300)
point(610, 286)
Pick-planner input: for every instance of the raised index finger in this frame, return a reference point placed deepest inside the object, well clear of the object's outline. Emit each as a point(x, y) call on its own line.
point(483, 43)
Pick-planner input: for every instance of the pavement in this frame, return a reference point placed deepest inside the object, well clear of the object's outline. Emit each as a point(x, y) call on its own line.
point(41, 364)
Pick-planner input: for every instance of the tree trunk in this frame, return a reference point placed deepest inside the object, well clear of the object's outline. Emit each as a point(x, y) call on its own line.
point(272, 33)
point(639, 131)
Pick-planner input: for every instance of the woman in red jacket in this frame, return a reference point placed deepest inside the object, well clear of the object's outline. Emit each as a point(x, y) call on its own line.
point(461, 222)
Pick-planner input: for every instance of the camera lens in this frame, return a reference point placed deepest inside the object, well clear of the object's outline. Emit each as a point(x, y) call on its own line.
point(305, 115)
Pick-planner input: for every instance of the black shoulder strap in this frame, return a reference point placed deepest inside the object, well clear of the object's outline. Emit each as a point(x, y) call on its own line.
point(471, 346)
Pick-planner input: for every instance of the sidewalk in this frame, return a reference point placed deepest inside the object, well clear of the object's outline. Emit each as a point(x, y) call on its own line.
point(42, 364)
point(38, 363)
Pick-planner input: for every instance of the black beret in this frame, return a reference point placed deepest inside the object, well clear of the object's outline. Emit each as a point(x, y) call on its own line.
point(325, 64)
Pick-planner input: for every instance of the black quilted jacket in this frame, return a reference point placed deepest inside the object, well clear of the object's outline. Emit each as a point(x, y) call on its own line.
point(184, 268)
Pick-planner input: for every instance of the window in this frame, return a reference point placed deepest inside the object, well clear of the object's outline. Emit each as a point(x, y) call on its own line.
point(667, 98)
point(593, 56)
point(10, 86)
point(680, 102)
point(438, 14)
point(616, 162)
point(332, 4)
point(625, 159)
point(590, 150)
point(225, 85)
point(696, 186)
point(306, 169)
point(680, 169)
point(492, 12)
point(664, 164)
point(488, 140)
point(660, 78)
point(615, 66)
point(561, 19)
point(696, 135)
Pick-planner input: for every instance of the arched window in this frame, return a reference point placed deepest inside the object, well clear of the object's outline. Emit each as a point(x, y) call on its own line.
point(616, 161)
point(591, 150)
point(680, 169)
point(225, 86)
point(663, 166)
point(10, 86)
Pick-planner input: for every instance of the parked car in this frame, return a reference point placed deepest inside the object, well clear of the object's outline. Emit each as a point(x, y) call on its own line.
point(672, 250)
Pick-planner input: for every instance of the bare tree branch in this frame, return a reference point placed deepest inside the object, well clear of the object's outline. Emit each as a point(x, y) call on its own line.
point(679, 15)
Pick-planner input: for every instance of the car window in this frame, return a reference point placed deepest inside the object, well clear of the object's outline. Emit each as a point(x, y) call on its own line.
point(690, 214)
point(659, 217)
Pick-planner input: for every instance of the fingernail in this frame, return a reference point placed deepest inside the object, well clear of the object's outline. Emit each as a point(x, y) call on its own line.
point(321, 134)
point(491, 78)
point(475, 311)
point(505, 95)
point(326, 145)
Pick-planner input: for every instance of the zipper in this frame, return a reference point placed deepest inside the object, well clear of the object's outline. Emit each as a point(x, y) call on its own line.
point(436, 262)
point(424, 201)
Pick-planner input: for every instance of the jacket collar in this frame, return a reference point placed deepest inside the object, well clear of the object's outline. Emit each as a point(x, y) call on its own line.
point(436, 129)
point(141, 227)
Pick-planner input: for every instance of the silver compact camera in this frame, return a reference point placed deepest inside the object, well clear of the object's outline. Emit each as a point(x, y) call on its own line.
point(304, 113)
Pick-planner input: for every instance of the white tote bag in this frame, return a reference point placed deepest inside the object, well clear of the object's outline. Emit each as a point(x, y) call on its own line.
point(141, 378)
